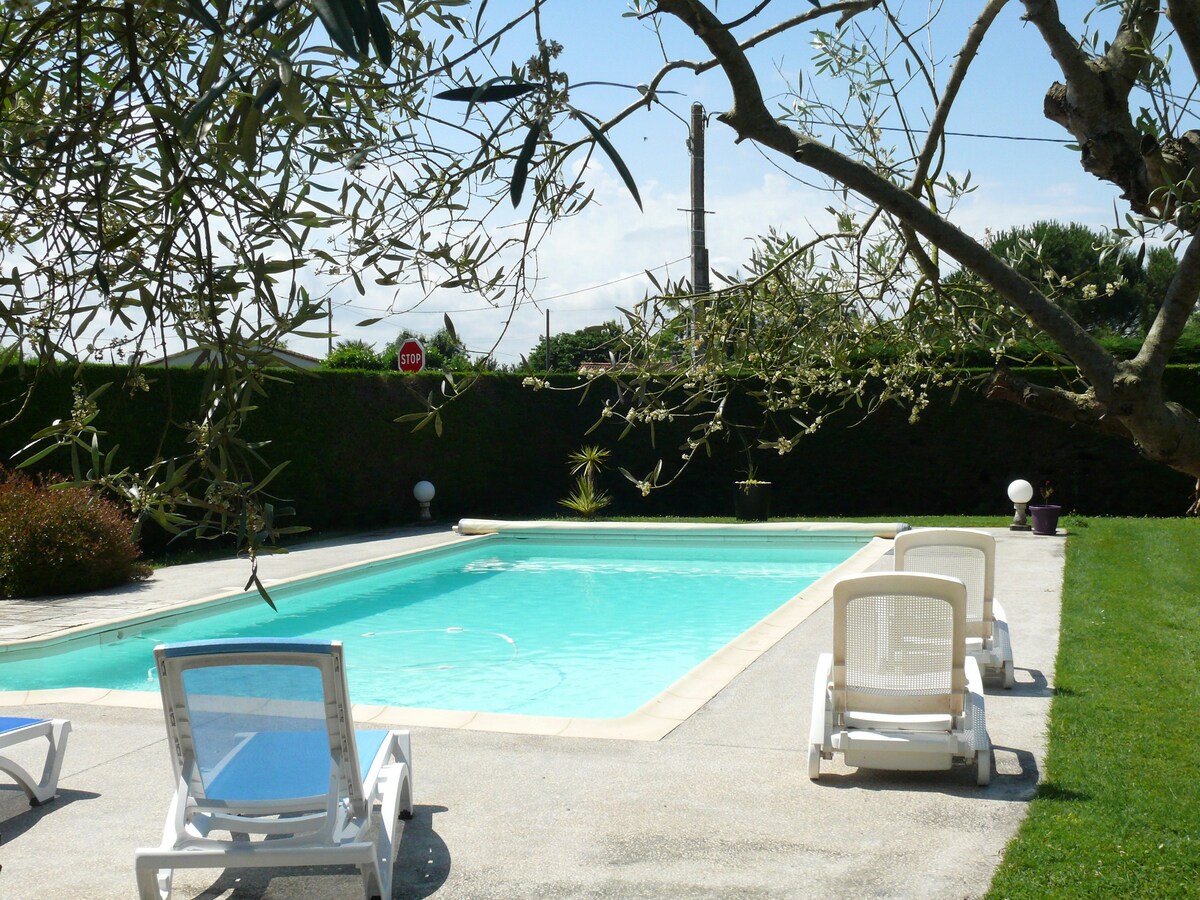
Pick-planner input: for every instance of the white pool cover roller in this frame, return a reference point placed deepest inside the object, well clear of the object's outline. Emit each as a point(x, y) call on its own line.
point(850, 529)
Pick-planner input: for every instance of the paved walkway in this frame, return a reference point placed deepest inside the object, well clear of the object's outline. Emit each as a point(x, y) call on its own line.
point(721, 807)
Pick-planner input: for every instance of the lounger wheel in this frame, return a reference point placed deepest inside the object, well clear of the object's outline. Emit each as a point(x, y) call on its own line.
point(1008, 675)
point(814, 761)
point(983, 762)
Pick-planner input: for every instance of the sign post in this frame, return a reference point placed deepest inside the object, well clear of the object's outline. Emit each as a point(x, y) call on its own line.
point(411, 357)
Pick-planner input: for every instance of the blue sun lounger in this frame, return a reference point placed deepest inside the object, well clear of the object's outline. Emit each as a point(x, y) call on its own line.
point(269, 770)
point(15, 731)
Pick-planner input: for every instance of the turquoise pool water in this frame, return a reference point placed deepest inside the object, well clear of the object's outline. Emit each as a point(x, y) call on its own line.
point(551, 627)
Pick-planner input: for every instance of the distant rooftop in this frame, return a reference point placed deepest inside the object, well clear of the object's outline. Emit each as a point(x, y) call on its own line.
point(187, 359)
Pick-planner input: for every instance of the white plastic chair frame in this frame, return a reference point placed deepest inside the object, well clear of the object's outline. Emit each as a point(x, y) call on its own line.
point(969, 556)
point(899, 691)
point(353, 823)
point(15, 731)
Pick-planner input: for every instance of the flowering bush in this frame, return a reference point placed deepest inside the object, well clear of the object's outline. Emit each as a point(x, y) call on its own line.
point(62, 541)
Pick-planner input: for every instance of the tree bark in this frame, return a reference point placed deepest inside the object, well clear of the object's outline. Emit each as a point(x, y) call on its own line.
point(1093, 105)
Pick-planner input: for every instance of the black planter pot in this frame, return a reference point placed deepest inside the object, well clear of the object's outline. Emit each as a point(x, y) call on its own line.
point(752, 500)
point(1045, 519)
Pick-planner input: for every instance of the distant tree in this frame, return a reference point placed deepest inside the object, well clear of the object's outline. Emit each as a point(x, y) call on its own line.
point(569, 350)
point(1102, 287)
point(355, 354)
point(444, 351)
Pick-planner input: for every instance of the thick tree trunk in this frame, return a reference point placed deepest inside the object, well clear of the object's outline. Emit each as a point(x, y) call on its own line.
point(1093, 105)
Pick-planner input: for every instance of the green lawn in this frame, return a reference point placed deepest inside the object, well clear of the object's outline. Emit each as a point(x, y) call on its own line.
point(1118, 812)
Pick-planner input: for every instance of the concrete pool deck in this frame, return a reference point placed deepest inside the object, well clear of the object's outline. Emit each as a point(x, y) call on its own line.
point(719, 807)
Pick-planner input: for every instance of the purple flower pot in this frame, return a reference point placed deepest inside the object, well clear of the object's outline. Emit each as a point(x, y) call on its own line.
point(1045, 519)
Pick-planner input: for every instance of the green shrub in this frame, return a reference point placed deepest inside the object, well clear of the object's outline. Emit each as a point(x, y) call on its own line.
point(62, 541)
point(355, 355)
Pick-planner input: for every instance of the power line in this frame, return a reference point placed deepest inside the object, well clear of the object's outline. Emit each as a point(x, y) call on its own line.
point(614, 281)
point(594, 287)
point(969, 134)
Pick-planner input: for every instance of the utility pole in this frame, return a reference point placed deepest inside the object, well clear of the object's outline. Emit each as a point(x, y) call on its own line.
point(699, 252)
point(700, 285)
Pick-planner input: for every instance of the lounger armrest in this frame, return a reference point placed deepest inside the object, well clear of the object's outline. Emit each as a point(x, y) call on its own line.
point(1000, 637)
point(975, 716)
point(394, 753)
point(821, 722)
point(44, 787)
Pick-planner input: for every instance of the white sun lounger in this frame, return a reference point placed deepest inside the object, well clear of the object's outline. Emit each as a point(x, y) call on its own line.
point(15, 731)
point(898, 691)
point(969, 556)
point(263, 746)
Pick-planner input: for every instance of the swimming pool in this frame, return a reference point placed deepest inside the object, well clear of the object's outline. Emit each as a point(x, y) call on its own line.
point(555, 625)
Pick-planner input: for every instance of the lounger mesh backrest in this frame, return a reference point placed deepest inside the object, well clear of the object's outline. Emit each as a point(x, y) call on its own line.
point(282, 707)
point(968, 556)
point(264, 721)
point(899, 643)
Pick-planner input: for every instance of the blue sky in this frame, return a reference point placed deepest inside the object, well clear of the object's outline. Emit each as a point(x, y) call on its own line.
point(594, 262)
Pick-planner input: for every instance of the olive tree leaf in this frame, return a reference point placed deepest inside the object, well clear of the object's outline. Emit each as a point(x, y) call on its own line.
point(200, 11)
point(267, 94)
point(247, 145)
point(259, 587)
point(488, 92)
point(293, 100)
point(381, 37)
point(357, 17)
point(263, 14)
point(337, 25)
point(611, 152)
point(521, 169)
point(212, 66)
point(201, 106)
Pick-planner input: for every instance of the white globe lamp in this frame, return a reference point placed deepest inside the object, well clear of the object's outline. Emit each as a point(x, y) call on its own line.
point(1020, 492)
point(424, 491)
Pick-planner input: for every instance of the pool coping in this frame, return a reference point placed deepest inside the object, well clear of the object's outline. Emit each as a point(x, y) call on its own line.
point(653, 721)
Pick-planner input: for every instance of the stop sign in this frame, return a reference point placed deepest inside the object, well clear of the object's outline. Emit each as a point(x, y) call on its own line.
point(411, 357)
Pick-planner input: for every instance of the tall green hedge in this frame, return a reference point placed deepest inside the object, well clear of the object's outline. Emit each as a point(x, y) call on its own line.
point(504, 449)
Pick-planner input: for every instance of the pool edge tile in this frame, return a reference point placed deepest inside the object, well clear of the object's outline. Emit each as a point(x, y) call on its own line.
point(672, 706)
point(638, 727)
point(547, 726)
point(405, 716)
point(130, 699)
point(68, 695)
point(366, 712)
